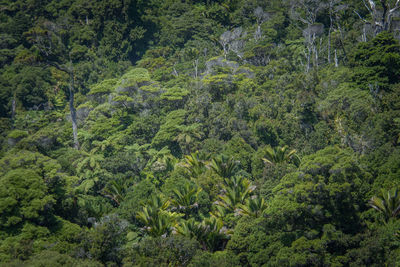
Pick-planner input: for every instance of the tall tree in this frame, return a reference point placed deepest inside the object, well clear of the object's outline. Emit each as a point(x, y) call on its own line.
point(307, 11)
point(382, 14)
point(52, 42)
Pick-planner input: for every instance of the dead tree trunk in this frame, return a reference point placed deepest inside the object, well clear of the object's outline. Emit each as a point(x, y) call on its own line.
point(306, 12)
point(336, 60)
point(71, 87)
point(52, 43)
point(73, 111)
point(382, 19)
point(196, 67)
point(329, 46)
point(13, 107)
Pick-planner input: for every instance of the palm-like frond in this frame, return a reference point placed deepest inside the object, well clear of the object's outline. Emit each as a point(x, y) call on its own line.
point(210, 232)
point(185, 197)
point(93, 205)
point(237, 190)
point(89, 162)
point(191, 229)
point(388, 203)
point(169, 162)
point(254, 207)
point(215, 235)
point(157, 220)
point(219, 211)
point(224, 166)
point(187, 132)
point(281, 154)
point(195, 164)
point(114, 191)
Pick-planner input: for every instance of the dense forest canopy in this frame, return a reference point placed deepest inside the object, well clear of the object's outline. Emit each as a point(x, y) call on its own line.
point(200, 133)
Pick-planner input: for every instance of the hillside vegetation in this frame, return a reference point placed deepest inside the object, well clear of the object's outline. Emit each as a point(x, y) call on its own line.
point(199, 133)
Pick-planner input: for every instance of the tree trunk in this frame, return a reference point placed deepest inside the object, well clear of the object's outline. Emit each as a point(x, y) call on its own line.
point(342, 45)
point(330, 31)
point(196, 65)
point(308, 56)
point(72, 111)
point(329, 45)
point(13, 107)
point(382, 22)
point(336, 60)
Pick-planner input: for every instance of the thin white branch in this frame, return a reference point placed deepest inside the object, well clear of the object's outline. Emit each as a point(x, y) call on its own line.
point(396, 6)
point(360, 16)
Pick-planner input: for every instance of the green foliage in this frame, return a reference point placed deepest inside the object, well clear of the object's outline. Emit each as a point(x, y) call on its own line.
point(281, 154)
point(29, 85)
point(103, 87)
point(186, 111)
point(24, 197)
point(53, 258)
point(377, 62)
point(157, 220)
point(329, 187)
point(250, 242)
point(105, 239)
point(187, 136)
point(185, 198)
point(224, 166)
point(218, 258)
point(31, 184)
point(378, 247)
point(254, 207)
point(219, 85)
point(115, 191)
point(140, 192)
point(195, 164)
point(162, 251)
point(386, 167)
point(237, 190)
point(209, 233)
point(241, 151)
point(387, 203)
point(135, 78)
point(174, 94)
point(92, 175)
point(170, 129)
point(266, 131)
point(17, 134)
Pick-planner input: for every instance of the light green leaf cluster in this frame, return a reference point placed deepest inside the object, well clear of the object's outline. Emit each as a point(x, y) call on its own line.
point(104, 87)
